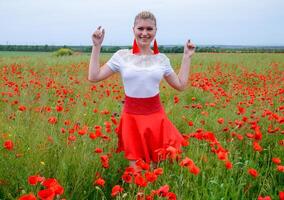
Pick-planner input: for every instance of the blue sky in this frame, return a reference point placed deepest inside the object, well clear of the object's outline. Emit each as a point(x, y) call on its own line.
point(205, 22)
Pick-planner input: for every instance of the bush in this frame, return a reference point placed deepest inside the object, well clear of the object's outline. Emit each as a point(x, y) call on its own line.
point(63, 52)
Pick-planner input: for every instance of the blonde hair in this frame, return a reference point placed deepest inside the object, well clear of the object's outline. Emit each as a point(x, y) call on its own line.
point(145, 15)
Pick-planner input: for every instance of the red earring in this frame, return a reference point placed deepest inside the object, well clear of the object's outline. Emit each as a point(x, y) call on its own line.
point(155, 48)
point(135, 48)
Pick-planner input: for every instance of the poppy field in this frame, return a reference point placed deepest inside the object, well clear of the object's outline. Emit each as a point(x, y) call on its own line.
point(58, 131)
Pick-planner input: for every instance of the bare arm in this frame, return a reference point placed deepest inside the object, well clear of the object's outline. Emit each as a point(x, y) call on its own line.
point(97, 73)
point(179, 82)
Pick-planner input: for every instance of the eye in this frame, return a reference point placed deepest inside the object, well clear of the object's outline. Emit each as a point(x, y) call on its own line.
point(140, 28)
point(149, 29)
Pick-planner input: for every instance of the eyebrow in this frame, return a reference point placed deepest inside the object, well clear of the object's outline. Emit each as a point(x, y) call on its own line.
point(146, 27)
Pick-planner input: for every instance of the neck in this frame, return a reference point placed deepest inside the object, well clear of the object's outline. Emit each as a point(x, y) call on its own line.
point(145, 50)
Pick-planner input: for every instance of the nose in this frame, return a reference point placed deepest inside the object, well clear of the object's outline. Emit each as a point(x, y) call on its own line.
point(144, 32)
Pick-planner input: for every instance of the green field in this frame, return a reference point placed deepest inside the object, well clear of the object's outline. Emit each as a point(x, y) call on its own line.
point(232, 114)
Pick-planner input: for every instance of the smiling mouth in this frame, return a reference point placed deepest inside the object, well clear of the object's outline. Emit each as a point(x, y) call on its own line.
point(143, 38)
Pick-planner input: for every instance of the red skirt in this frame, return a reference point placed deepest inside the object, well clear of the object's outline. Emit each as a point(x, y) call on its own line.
point(144, 129)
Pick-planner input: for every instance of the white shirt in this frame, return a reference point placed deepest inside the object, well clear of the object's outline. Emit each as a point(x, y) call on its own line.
point(141, 74)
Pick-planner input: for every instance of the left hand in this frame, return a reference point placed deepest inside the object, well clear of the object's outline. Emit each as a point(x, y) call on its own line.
point(189, 49)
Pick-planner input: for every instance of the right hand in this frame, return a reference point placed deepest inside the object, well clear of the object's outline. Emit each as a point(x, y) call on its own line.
point(98, 36)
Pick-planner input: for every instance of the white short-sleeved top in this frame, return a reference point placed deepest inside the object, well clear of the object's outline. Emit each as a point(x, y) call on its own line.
point(141, 74)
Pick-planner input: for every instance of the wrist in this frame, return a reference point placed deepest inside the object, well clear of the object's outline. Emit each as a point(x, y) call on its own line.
point(97, 46)
point(186, 56)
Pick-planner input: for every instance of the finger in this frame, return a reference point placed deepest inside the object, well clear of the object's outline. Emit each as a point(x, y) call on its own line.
point(99, 27)
point(103, 31)
point(95, 34)
point(191, 46)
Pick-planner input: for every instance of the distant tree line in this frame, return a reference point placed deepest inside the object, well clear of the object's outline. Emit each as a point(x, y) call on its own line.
point(163, 49)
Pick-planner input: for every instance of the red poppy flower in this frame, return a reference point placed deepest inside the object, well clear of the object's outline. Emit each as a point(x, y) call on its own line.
point(83, 131)
point(194, 170)
point(229, 165)
point(171, 196)
point(140, 181)
point(52, 120)
point(172, 152)
point(241, 110)
point(277, 161)
point(104, 161)
point(257, 147)
point(258, 134)
point(72, 138)
point(264, 198)
point(222, 155)
point(176, 99)
point(280, 168)
point(100, 182)
point(190, 123)
point(250, 135)
point(116, 190)
point(98, 150)
point(142, 164)
point(46, 194)
point(58, 189)
point(33, 180)
point(253, 172)
point(281, 195)
point(220, 120)
point(127, 177)
point(186, 162)
point(151, 176)
point(59, 108)
point(107, 124)
point(240, 137)
point(27, 197)
point(67, 122)
point(22, 108)
point(92, 135)
point(163, 191)
point(8, 144)
point(130, 170)
point(50, 182)
point(158, 171)
point(113, 119)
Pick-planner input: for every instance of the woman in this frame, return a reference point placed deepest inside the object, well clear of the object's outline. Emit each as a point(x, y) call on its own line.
point(144, 128)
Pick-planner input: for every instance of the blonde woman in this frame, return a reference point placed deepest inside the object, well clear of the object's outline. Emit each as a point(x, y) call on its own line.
point(144, 128)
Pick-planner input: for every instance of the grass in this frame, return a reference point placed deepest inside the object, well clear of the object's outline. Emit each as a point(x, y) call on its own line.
point(218, 84)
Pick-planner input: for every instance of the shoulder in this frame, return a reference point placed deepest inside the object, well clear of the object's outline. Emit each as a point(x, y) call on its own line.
point(163, 58)
point(162, 55)
point(121, 52)
point(117, 56)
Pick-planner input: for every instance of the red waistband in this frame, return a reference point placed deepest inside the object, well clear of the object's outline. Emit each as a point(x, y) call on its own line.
point(142, 106)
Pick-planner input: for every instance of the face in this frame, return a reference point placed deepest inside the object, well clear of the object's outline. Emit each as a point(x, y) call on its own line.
point(144, 31)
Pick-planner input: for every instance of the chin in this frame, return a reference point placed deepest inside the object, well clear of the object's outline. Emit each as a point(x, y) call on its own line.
point(146, 43)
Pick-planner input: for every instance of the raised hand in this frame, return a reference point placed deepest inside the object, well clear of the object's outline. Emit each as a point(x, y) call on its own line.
point(98, 36)
point(189, 49)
